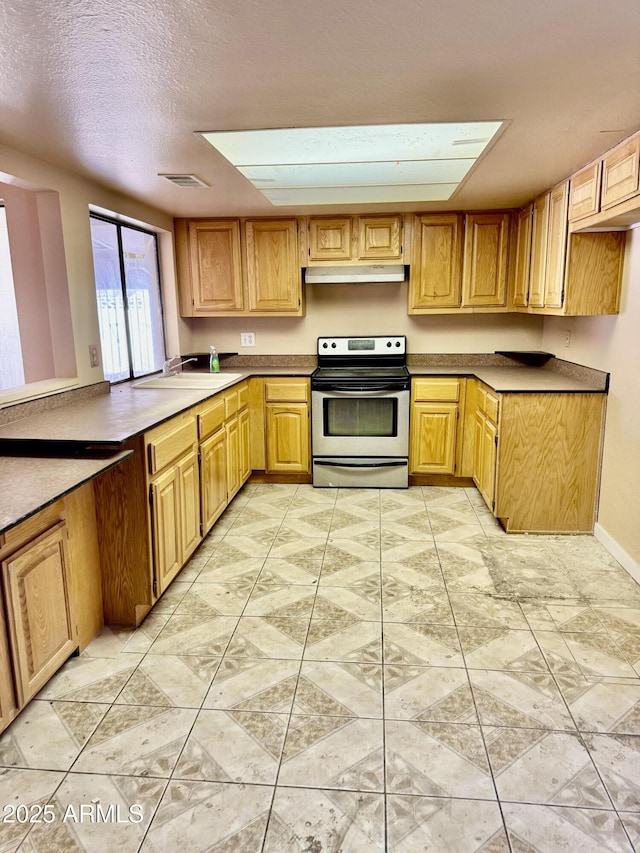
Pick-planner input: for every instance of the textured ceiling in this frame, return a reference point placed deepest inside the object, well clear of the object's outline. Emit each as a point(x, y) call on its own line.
point(115, 90)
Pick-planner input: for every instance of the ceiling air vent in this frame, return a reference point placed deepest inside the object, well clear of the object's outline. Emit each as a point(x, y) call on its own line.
point(188, 182)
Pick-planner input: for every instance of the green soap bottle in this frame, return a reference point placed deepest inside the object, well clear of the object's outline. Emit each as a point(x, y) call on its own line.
point(214, 361)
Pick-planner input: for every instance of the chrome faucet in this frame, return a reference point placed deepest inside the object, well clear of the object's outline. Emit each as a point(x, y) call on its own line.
point(170, 368)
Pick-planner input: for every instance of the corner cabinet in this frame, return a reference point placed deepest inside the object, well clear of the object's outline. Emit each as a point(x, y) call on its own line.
point(233, 267)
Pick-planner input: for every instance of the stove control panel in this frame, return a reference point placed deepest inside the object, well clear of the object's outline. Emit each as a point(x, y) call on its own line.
point(361, 346)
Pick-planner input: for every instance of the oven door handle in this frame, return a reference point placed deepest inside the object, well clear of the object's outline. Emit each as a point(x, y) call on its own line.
point(359, 389)
point(394, 464)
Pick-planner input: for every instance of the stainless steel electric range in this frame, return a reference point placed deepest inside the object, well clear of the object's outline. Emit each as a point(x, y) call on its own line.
point(360, 412)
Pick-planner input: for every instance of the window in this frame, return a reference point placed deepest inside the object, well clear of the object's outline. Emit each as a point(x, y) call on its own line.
point(11, 369)
point(125, 261)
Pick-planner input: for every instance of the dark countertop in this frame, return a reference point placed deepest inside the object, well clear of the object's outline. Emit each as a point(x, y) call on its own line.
point(515, 380)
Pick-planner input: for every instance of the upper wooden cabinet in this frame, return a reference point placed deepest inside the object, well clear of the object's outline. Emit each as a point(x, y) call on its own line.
point(228, 267)
point(459, 262)
point(584, 193)
point(273, 273)
point(571, 274)
point(352, 239)
point(521, 273)
point(484, 268)
point(620, 170)
point(436, 255)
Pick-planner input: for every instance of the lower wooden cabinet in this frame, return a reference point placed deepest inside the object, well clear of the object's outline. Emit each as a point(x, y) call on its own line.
point(287, 425)
point(434, 438)
point(7, 696)
point(484, 458)
point(213, 478)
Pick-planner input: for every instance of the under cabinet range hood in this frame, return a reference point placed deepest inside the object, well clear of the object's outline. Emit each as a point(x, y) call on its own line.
point(376, 273)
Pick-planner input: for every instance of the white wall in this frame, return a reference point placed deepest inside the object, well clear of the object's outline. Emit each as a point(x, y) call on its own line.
point(364, 309)
point(613, 344)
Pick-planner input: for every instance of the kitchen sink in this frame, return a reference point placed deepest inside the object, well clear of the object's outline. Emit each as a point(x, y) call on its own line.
point(188, 380)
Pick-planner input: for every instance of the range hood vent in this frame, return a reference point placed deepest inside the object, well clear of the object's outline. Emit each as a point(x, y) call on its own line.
point(376, 273)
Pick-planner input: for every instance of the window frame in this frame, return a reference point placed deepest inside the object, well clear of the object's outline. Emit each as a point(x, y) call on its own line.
point(123, 284)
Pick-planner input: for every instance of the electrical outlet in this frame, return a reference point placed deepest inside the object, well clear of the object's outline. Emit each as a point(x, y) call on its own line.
point(247, 339)
point(567, 338)
point(93, 355)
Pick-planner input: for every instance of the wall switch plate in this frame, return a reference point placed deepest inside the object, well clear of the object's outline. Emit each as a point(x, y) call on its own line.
point(567, 338)
point(247, 339)
point(93, 355)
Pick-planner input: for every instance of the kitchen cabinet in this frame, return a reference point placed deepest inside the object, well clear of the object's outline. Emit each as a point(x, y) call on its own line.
point(287, 425)
point(213, 478)
point(522, 266)
point(436, 258)
point(434, 425)
point(272, 266)
point(584, 192)
point(620, 173)
point(8, 707)
point(459, 262)
point(174, 495)
point(536, 458)
point(573, 274)
point(485, 259)
point(40, 622)
point(353, 239)
point(238, 267)
point(210, 273)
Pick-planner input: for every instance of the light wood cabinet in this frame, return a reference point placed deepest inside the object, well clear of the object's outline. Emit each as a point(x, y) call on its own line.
point(584, 192)
point(272, 266)
point(8, 706)
point(38, 610)
point(353, 239)
point(238, 267)
point(174, 496)
point(620, 171)
point(330, 238)
point(524, 220)
point(486, 252)
point(573, 274)
point(434, 434)
point(211, 271)
point(287, 425)
point(245, 445)
point(436, 258)
point(485, 452)
point(213, 478)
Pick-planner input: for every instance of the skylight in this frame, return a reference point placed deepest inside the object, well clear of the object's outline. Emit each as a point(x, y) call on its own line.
point(353, 165)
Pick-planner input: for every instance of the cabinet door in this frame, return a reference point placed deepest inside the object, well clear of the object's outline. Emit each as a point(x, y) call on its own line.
point(166, 528)
point(330, 238)
point(189, 480)
point(245, 447)
point(7, 698)
point(584, 197)
point(234, 461)
point(380, 238)
point(214, 260)
point(213, 478)
point(435, 280)
point(433, 438)
point(41, 627)
point(539, 231)
point(556, 246)
point(484, 266)
point(523, 257)
point(274, 276)
point(287, 437)
point(484, 465)
point(620, 170)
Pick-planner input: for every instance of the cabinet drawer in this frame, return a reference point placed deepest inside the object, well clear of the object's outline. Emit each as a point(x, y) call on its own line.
point(436, 389)
point(210, 417)
point(230, 404)
point(243, 396)
point(286, 390)
point(164, 448)
point(490, 404)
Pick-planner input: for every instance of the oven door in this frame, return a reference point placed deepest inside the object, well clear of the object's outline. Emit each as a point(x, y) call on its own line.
point(360, 422)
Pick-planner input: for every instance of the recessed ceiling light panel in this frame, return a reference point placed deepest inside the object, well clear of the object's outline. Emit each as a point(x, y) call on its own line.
point(410, 162)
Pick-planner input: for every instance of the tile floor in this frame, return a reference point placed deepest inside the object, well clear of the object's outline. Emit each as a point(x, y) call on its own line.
point(345, 671)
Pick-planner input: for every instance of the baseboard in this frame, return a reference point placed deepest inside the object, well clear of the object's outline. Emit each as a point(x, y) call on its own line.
point(616, 550)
